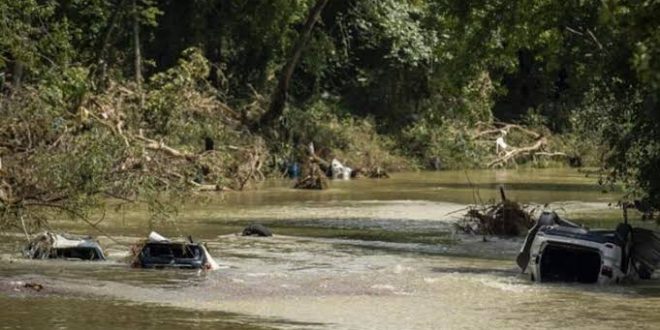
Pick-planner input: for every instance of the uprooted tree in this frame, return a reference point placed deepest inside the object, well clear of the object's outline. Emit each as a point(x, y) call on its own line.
point(71, 159)
point(535, 144)
point(504, 218)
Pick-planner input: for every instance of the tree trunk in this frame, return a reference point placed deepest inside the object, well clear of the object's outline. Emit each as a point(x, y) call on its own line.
point(17, 75)
point(138, 55)
point(102, 48)
point(278, 99)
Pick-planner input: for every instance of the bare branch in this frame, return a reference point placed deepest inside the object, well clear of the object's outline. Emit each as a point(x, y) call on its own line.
point(160, 145)
point(515, 152)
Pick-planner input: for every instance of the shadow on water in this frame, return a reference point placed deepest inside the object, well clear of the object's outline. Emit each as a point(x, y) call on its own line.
point(527, 186)
point(55, 312)
point(363, 229)
point(477, 270)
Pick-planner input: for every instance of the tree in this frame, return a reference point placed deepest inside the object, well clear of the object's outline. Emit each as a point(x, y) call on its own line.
point(278, 99)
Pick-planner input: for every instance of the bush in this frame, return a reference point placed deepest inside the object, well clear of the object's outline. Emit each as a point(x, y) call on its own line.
point(353, 141)
point(449, 142)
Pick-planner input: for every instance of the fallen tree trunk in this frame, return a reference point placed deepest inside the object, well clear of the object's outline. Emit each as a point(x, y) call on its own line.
point(506, 127)
point(313, 178)
point(516, 152)
point(324, 164)
point(209, 187)
point(160, 145)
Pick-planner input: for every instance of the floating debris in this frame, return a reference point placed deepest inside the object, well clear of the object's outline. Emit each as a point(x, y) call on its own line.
point(34, 286)
point(257, 229)
point(506, 218)
point(312, 178)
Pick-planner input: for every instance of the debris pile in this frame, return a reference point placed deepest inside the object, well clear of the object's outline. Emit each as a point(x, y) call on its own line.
point(376, 172)
point(316, 171)
point(312, 177)
point(506, 218)
point(532, 144)
point(24, 288)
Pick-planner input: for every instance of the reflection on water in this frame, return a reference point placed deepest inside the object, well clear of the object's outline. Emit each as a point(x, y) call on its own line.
point(367, 254)
point(54, 312)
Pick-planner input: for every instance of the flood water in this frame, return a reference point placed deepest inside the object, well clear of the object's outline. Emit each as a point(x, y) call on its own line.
point(364, 254)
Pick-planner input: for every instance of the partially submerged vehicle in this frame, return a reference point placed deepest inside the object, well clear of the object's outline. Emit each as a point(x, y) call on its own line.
point(160, 252)
point(558, 250)
point(48, 245)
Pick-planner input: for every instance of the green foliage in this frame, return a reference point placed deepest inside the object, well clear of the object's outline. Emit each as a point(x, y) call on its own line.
point(448, 141)
point(176, 95)
point(377, 79)
point(394, 27)
point(352, 141)
point(31, 34)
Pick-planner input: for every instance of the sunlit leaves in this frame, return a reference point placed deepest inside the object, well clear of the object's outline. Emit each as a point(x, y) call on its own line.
point(397, 26)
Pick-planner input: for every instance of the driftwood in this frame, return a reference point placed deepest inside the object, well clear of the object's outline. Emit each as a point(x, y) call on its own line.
point(313, 177)
point(160, 145)
point(488, 132)
point(515, 152)
point(506, 218)
point(506, 127)
point(324, 164)
point(313, 171)
point(534, 149)
point(209, 187)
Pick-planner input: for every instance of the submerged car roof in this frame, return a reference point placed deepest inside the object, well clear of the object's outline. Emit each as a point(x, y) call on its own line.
point(580, 233)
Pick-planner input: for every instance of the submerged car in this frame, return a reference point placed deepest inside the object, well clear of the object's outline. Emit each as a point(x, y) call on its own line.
point(48, 245)
point(160, 252)
point(559, 250)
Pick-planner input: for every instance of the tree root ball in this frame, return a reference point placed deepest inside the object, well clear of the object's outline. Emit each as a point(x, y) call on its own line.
point(506, 218)
point(313, 178)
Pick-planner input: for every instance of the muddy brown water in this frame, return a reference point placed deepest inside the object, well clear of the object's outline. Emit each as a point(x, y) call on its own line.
point(365, 254)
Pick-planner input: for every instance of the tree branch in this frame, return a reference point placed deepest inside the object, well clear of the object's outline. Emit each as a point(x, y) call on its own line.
point(278, 99)
point(515, 152)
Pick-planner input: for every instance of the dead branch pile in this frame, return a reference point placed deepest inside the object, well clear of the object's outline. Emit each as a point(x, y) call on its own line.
point(506, 218)
point(69, 159)
point(312, 177)
point(534, 144)
point(313, 172)
point(134, 253)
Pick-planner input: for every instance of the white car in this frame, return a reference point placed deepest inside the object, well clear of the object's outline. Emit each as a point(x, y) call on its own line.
point(48, 245)
point(558, 250)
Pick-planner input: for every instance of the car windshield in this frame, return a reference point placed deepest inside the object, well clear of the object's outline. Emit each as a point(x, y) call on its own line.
point(172, 250)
